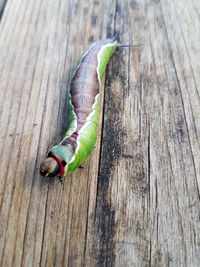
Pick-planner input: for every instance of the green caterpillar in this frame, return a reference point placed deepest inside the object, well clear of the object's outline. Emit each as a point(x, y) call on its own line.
point(83, 110)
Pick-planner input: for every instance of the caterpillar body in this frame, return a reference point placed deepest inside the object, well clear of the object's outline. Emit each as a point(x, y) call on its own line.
point(83, 112)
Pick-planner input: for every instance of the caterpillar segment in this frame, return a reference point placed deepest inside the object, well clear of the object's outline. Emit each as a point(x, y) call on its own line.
point(83, 112)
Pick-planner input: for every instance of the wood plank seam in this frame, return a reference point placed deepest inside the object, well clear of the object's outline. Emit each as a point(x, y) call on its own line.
point(2, 7)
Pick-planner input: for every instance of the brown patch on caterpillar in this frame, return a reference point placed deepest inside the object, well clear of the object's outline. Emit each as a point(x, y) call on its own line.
point(88, 64)
point(86, 70)
point(70, 142)
point(83, 84)
point(82, 112)
point(91, 55)
point(83, 115)
point(80, 99)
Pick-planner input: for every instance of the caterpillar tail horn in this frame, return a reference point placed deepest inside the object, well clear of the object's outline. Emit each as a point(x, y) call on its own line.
point(116, 36)
point(129, 46)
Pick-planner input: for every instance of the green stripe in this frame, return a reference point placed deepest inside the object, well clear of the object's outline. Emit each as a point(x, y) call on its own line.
point(86, 139)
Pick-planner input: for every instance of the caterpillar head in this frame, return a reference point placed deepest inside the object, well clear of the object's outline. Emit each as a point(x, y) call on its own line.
point(49, 167)
point(52, 166)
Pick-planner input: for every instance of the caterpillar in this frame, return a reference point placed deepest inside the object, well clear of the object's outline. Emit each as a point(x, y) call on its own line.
point(83, 111)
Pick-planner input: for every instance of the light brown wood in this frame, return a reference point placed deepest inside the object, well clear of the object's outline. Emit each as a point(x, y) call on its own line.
point(136, 202)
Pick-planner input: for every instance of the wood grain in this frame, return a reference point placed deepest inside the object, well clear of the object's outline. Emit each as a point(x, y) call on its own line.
point(136, 202)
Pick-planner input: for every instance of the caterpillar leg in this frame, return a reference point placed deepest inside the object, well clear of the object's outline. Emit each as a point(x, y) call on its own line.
point(60, 179)
point(81, 167)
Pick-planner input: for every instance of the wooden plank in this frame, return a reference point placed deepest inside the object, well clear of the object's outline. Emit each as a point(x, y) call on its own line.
point(140, 206)
point(148, 193)
point(42, 222)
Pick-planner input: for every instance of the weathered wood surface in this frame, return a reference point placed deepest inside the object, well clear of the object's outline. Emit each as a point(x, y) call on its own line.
point(136, 203)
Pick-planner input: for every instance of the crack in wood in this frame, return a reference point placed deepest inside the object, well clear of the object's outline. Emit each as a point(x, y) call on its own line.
point(2, 7)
